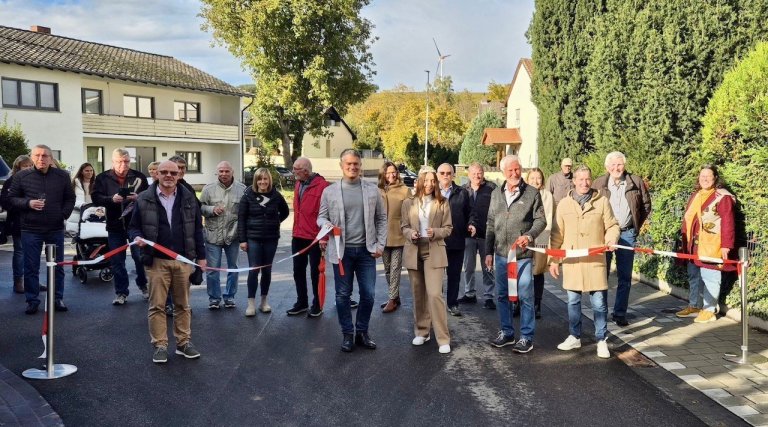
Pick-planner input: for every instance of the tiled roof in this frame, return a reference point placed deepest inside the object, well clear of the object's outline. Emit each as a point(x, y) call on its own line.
point(62, 53)
point(492, 136)
point(524, 62)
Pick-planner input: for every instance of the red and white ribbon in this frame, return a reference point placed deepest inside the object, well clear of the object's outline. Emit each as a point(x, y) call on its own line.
point(512, 273)
point(337, 241)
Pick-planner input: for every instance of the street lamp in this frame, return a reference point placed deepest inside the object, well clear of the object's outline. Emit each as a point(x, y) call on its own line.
point(426, 137)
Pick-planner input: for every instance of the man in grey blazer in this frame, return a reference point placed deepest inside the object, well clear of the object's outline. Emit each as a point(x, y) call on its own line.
point(355, 206)
point(516, 216)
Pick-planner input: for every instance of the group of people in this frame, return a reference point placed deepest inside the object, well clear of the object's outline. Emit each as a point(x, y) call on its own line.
point(433, 231)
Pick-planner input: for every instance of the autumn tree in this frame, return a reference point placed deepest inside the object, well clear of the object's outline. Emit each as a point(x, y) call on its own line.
point(304, 55)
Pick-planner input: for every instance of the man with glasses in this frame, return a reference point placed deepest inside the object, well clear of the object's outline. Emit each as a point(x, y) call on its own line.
point(45, 198)
point(560, 183)
point(306, 206)
point(117, 189)
point(169, 215)
point(458, 199)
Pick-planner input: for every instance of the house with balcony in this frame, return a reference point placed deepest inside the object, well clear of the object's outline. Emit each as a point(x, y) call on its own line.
point(85, 99)
point(520, 136)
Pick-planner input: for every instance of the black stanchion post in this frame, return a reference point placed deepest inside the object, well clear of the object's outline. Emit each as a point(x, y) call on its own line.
point(52, 370)
point(744, 358)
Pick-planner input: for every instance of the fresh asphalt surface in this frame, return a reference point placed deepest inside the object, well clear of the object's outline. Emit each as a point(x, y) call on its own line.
point(280, 370)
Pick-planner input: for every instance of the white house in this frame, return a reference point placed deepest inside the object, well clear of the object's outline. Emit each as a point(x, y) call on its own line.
point(85, 99)
point(523, 115)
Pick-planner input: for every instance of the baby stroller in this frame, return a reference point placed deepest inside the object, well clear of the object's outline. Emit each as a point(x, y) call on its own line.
point(91, 242)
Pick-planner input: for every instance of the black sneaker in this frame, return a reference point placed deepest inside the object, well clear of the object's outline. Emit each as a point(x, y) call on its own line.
point(454, 311)
point(188, 350)
point(523, 346)
point(489, 304)
point(467, 299)
point(502, 340)
point(59, 306)
point(620, 320)
point(315, 311)
point(230, 303)
point(353, 304)
point(32, 308)
point(297, 309)
point(169, 310)
point(160, 355)
point(214, 305)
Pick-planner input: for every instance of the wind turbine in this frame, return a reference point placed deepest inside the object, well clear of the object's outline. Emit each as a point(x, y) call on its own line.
point(440, 60)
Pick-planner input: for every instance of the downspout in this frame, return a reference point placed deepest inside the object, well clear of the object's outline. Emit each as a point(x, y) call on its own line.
point(242, 138)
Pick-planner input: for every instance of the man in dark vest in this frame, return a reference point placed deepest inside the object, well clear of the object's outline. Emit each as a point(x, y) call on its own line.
point(169, 215)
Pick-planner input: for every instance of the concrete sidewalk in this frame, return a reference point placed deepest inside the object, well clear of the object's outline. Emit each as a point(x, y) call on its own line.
point(694, 352)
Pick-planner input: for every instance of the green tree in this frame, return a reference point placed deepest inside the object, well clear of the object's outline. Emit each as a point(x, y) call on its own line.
point(13, 143)
point(304, 55)
point(498, 91)
point(472, 148)
point(735, 136)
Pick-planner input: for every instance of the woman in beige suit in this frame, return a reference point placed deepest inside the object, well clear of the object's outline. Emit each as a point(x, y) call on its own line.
point(584, 219)
point(426, 222)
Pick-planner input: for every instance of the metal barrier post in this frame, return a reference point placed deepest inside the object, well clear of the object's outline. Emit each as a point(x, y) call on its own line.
point(52, 370)
point(744, 358)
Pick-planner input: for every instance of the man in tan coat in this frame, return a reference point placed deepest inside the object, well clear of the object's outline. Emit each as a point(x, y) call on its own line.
point(583, 220)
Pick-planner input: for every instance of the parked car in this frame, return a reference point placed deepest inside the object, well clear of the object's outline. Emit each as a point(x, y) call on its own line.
point(281, 176)
point(409, 177)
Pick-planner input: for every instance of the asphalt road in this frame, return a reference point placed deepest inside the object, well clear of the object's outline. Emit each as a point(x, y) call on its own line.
point(280, 370)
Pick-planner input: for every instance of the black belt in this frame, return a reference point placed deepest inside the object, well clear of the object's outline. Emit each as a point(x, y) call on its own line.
point(629, 227)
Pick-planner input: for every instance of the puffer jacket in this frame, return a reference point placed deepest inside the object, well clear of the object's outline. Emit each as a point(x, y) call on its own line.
point(260, 214)
point(59, 199)
point(221, 229)
point(524, 217)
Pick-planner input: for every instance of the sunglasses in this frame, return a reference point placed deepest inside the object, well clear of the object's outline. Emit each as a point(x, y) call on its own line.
point(171, 173)
point(444, 173)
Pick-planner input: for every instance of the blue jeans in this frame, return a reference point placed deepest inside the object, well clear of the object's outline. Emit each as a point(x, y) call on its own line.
point(357, 262)
point(525, 295)
point(213, 257)
point(624, 261)
point(116, 239)
point(599, 301)
point(33, 245)
point(710, 279)
point(260, 253)
point(18, 257)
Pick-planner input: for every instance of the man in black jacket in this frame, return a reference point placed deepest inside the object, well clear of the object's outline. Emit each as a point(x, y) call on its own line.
point(116, 189)
point(168, 214)
point(458, 198)
point(45, 198)
point(479, 191)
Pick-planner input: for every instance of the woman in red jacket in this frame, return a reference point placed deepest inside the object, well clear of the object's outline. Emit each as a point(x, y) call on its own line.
point(708, 231)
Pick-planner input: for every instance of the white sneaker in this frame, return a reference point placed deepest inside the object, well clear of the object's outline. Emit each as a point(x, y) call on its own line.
point(145, 293)
point(420, 340)
point(120, 300)
point(602, 350)
point(445, 348)
point(570, 343)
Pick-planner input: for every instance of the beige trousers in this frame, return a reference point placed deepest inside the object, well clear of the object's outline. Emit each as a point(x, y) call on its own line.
point(429, 307)
point(169, 275)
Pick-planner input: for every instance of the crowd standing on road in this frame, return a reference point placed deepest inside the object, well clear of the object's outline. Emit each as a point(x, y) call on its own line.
point(433, 233)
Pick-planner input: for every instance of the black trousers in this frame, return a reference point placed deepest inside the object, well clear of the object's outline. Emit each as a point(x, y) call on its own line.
point(312, 257)
point(453, 273)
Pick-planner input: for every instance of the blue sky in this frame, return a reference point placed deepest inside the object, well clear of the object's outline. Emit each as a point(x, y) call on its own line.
point(485, 38)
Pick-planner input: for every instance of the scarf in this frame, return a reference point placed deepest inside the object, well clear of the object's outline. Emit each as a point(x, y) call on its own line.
point(694, 210)
point(582, 199)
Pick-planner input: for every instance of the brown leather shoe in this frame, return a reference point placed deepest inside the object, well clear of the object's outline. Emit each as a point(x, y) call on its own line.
point(390, 307)
point(18, 285)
